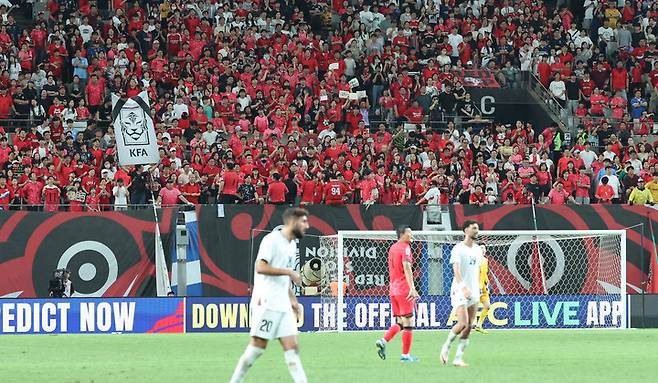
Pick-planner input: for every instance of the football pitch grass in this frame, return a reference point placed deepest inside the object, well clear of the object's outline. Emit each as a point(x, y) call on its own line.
point(509, 356)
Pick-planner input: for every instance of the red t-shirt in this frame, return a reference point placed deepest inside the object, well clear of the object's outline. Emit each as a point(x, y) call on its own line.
point(476, 198)
point(191, 189)
point(95, 93)
point(557, 197)
point(587, 87)
point(51, 198)
point(398, 253)
point(605, 193)
point(277, 191)
point(169, 197)
point(415, 115)
point(334, 192)
point(308, 191)
point(231, 181)
point(33, 193)
point(619, 78)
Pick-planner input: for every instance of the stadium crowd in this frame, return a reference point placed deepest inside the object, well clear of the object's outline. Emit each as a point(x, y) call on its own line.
point(262, 101)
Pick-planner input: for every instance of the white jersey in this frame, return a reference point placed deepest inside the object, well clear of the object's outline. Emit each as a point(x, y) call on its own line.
point(469, 259)
point(433, 196)
point(271, 292)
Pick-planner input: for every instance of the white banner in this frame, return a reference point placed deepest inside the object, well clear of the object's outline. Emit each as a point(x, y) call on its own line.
point(134, 130)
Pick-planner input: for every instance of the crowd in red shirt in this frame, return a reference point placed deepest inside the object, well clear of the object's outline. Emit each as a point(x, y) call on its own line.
point(259, 101)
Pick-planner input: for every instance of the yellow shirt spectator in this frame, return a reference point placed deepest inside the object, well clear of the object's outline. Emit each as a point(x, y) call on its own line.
point(652, 186)
point(613, 15)
point(640, 196)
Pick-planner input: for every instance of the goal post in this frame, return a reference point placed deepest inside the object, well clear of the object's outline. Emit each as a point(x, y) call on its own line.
point(581, 284)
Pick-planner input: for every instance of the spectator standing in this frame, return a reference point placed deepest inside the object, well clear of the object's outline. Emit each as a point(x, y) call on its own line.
point(137, 188)
point(228, 186)
point(51, 195)
point(583, 183)
point(276, 191)
point(170, 195)
point(121, 195)
point(640, 195)
point(557, 195)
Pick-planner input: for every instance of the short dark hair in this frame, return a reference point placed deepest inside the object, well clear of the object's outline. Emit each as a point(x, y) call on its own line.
point(294, 213)
point(468, 223)
point(401, 230)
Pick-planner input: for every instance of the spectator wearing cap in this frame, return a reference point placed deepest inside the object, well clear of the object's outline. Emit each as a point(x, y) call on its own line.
point(557, 195)
point(121, 195)
point(640, 195)
point(170, 195)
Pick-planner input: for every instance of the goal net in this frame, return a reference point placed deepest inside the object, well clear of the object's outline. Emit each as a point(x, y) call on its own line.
point(542, 279)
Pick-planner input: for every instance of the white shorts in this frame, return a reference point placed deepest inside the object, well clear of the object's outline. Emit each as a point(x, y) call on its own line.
point(457, 298)
point(269, 324)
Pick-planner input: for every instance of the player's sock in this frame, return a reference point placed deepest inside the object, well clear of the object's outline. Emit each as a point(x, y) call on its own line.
point(295, 366)
point(483, 316)
point(451, 338)
point(407, 338)
point(463, 343)
point(392, 332)
point(246, 361)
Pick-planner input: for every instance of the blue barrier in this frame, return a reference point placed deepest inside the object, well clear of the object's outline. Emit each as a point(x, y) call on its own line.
point(231, 314)
point(91, 316)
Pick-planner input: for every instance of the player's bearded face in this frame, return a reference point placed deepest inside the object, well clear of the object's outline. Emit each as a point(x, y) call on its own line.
point(472, 232)
point(300, 228)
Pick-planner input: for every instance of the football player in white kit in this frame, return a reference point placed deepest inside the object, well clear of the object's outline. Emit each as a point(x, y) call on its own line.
point(465, 259)
point(274, 307)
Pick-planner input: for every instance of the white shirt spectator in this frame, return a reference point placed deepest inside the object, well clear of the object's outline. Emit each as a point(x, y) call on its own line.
point(326, 133)
point(433, 196)
point(179, 109)
point(606, 34)
point(507, 11)
point(589, 6)
point(588, 156)
point(549, 163)
point(209, 136)
point(120, 194)
point(609, 155)
point(579, 40)
point(367, 17)
point(636, 164)
point(443, 60)
point(85, 31)
point(454, 40)
point(558, 89)
point(14, 71)
point(244, 102)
